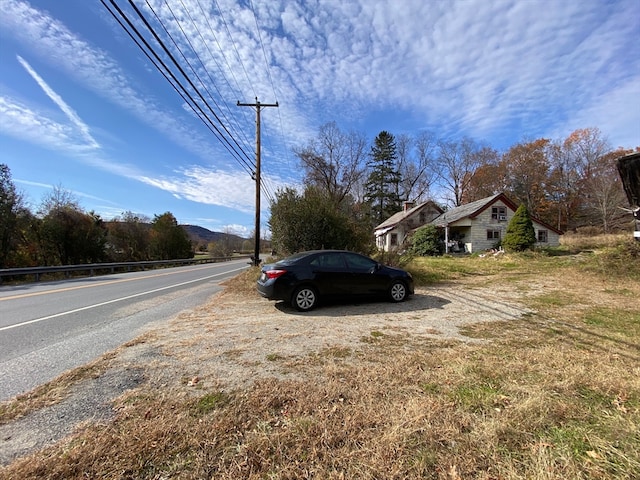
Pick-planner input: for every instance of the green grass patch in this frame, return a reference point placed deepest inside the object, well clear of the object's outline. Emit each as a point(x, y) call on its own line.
point(430, 388)
point(554, 298)
point(614, 319)
point(477, 397)
point(621, 261)
point(210, 402)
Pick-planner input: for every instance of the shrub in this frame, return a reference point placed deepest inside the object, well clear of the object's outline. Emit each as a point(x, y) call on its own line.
point(520, 234)
point(426, 242)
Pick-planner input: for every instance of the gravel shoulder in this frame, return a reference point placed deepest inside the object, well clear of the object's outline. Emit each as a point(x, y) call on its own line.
point(233, 339)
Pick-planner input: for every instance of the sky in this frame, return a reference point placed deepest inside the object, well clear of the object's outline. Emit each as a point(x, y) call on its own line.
point(83, 109)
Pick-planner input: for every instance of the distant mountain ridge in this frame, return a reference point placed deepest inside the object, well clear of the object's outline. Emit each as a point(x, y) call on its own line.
point(199, 234)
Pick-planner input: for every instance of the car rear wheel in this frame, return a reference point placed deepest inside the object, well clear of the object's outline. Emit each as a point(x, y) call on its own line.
point(398, 291)
point(304, 299)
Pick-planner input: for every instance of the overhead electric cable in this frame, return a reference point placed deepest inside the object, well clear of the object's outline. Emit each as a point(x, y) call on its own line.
point(268, 68)
point(264, 52)
point(174, 81)
point(215, 37)
point(188, 99)
point(197, 56)
point(182, 72)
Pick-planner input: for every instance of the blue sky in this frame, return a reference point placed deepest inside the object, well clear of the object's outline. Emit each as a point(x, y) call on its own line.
point(82, 108)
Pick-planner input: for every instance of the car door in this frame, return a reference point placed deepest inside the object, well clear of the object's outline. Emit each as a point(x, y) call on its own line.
point(364, 280)
point(330, 273)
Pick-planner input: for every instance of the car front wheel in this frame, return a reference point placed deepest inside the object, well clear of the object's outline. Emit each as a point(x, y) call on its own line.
point(304, 299)
point(398, 291)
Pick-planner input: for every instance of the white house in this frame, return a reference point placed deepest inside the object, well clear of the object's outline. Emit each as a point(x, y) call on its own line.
point(474, 227)
point(395, 230)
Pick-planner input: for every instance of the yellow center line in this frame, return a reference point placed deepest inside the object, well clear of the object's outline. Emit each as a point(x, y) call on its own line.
point(101, 284)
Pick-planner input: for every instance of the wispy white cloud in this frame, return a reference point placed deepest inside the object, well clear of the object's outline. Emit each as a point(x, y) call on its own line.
point(33, 184)
point(95, 70)
point(35, 126)
point(73, 117)
point(497, 70)
point(489, 69)
point(22, 122)
point(77, 193)
point(235, 190)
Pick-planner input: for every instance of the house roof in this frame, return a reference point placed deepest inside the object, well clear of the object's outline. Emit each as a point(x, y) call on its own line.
point(473, 209)
point(470, 210)
point(396, 218)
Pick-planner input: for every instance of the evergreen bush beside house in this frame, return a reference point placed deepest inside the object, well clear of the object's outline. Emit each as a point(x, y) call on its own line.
point(426, 241)
point(520, 234)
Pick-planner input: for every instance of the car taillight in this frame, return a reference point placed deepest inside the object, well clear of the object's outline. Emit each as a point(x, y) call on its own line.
point(274, 273)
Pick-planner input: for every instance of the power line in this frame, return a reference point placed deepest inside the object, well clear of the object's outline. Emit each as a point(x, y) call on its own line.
point(165, 72)
point(236, 151)
point(264, 52)
point(217, 127)
point(179, 67)
point(234, 47)
point(204, 68)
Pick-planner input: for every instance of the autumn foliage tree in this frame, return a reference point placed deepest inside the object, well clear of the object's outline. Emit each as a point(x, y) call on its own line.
point(129, 238)
point(10, 205)
point(574, 162)
point(69, 235)
point(457, 164)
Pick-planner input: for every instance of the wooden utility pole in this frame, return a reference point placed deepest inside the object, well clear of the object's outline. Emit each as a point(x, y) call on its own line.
point(258, 106)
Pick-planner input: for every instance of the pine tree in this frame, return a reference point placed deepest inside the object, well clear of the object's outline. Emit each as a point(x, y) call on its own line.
point(382, 183)
point(520, 234)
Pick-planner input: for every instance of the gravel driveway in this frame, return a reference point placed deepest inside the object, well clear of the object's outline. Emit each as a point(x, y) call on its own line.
point(234, 339)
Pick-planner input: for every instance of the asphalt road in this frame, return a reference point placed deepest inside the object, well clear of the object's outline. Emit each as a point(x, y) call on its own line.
point(48, 328)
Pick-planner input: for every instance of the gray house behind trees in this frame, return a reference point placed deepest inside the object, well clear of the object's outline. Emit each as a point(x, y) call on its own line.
point(393, 233)
point(473, 227)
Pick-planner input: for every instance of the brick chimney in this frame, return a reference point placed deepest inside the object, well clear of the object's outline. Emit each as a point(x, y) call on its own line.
point(408, 206)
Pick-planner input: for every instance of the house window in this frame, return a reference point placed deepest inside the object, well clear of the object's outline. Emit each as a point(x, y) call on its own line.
point(542, 236)
point(394, 239)
point(499, 214)
point(493, 234)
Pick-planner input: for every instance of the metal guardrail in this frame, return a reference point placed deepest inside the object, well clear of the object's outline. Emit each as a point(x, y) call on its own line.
point(112, 267)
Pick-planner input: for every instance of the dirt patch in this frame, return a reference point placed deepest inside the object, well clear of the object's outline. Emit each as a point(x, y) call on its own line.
point(235, 340)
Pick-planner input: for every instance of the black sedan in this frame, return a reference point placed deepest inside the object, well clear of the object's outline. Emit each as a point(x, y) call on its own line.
point(302, 279)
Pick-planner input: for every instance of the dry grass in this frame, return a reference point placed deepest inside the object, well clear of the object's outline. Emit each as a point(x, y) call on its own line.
point(554, 395)
point(52, 392)
point(584, 242)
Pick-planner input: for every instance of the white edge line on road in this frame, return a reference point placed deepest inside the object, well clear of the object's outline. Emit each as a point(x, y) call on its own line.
point(88, 307)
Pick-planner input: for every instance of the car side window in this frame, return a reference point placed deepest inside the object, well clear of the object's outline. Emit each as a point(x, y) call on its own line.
point(358, 263)
point(328, 261)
